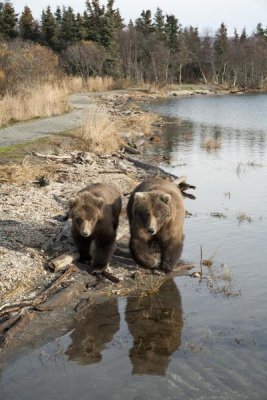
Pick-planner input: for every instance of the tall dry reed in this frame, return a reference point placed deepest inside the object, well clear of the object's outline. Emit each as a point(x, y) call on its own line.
point(39, 101)
point(93, 84)
point(99, 132)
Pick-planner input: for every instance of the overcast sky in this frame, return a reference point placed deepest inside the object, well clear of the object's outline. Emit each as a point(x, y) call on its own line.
point(200, 13)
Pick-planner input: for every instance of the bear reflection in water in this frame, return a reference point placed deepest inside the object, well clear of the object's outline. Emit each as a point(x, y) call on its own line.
point(94, 329)
point(154, 321)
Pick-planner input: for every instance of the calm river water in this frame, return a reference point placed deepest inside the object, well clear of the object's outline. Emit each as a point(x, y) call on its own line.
point(195, 340)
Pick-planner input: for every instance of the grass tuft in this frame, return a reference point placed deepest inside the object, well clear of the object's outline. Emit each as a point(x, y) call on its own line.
point(141, 123)
point(99, 132)
point(209, 143)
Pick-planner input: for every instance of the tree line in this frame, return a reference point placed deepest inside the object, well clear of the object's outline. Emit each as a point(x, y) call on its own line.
point(153, 48)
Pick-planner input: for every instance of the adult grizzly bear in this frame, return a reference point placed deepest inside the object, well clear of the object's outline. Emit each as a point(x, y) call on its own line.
point(156, 216)
point(95, 218)
point(155, 323)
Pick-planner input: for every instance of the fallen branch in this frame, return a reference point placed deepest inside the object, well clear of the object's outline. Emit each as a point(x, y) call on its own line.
point(8, 323)
point(114, 171)
point(159, 171)
point(53, 157)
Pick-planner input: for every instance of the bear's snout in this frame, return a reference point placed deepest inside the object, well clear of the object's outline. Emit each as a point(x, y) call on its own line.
point(152, 231)
point(86, 229)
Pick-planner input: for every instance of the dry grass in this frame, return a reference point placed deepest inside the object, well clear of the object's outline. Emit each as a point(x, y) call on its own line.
point(220, 282)
point(26, 172)
point(142, 123)
point(99, 132)
point(244, 167)
point(218, 215)
point(209, 143)
point(242, 217)
point(39, 101)
point(94, 84)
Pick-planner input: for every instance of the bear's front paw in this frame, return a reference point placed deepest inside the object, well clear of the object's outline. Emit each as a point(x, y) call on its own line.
point(154, 262)
point(166, 267)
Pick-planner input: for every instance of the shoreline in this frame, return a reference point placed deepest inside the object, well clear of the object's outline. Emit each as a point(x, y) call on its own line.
point(34, 233)
point(41, 127)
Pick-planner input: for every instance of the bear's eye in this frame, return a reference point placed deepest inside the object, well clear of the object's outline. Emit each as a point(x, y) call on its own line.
point(78, 221)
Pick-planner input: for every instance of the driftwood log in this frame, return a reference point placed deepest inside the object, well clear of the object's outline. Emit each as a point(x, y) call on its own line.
point(180, 181)
point(63, 261)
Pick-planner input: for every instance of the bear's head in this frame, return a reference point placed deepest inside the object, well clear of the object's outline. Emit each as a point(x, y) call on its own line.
point(152, 210)
point(85, 211)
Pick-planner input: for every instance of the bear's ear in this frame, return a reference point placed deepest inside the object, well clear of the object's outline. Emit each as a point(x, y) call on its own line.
point(166, 198)
point(99, 202)
point(72, 202)
point(139, 195)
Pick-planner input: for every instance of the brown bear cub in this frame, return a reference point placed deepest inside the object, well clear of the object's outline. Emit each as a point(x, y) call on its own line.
point(156, 216)
point(95, 218)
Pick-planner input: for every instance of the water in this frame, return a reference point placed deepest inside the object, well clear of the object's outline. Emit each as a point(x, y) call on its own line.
point(195, 340)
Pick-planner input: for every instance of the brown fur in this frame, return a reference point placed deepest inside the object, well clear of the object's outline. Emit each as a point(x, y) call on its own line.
point(155, 322)
point(95, 218)
point(156, 216)
point(92, 331)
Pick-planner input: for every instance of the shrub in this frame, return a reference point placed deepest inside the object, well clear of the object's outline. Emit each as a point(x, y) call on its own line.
point(24, 64)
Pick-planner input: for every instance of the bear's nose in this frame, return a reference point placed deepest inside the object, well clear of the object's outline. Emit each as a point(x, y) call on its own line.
point(86, 234)
point(152, 231)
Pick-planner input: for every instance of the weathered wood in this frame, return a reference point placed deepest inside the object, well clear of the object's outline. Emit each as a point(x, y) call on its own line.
point(62, 261)
point(159, 171)
point(131, 150)
point(8, 323)
point(53, 157)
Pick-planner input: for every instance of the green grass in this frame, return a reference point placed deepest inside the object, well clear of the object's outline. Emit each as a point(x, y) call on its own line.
point(17, 152)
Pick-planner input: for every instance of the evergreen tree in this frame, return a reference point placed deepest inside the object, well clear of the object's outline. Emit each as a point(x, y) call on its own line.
point(172, 29)
point(68, 26)
point(8, 20)
point(260, 32)
point(26, 24)
point(221, 49)
point(144, 23)
point(58, 15)
point(80, 27)
point(37, 34)
point(236, 37)
point(94, 21)
point(243, 36)
point(50, 29)
point(159, 24)
point(221, 42)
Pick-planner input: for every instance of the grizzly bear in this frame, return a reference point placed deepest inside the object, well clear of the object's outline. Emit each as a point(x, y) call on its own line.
point(95, 218)
point(155, 323)
point(93, 329)
point(156, 216)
